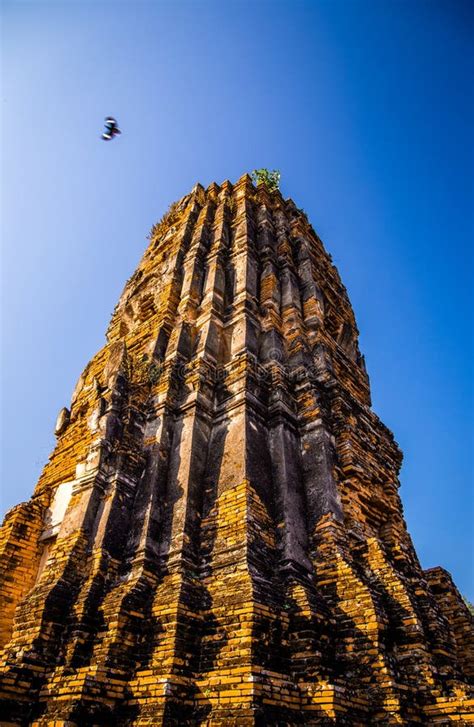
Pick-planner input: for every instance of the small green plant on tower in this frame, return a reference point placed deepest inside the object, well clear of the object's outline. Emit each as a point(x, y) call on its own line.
point(264, 176)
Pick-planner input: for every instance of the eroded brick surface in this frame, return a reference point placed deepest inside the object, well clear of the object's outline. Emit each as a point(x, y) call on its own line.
point(217, 538)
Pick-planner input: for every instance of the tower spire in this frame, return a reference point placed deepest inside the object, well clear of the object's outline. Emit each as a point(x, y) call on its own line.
point(217, 537)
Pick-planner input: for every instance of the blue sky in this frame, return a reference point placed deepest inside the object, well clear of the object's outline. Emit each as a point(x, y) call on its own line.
point(367, 110)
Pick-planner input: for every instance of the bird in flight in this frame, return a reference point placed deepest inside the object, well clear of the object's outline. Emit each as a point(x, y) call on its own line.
point(111, 129)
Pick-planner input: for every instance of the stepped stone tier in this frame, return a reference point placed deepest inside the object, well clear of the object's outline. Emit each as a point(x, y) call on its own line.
point(218, 538)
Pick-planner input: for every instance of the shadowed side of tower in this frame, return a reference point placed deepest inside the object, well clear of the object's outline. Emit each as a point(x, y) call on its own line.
point(217, 538)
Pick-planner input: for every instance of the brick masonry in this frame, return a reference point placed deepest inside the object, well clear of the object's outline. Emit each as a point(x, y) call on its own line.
point(217, 538)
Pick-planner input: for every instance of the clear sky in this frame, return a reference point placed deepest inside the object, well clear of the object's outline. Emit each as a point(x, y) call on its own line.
point(365, 106)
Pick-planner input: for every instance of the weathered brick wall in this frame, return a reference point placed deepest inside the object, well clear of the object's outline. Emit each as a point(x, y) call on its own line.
point(233, 551)
point(20, 552)
point(457, 614)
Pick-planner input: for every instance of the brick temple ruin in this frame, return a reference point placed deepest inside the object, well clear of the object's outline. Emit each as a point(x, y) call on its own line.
point(218, 538)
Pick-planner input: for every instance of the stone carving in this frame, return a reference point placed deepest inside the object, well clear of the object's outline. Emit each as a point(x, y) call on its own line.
point(233, 549)
point(62, 421)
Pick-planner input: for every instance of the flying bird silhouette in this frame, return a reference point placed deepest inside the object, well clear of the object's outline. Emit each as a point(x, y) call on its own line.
point(111, 129)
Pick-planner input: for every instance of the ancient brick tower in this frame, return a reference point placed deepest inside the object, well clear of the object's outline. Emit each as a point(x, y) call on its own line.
point(217, 538)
